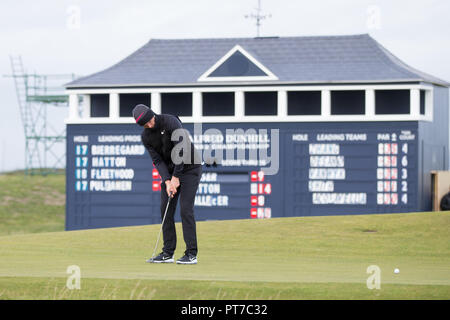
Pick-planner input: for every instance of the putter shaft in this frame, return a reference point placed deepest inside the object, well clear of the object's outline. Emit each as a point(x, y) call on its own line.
point(162, 224)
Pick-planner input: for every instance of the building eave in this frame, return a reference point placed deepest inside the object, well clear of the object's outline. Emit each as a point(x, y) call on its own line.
point(253, 83)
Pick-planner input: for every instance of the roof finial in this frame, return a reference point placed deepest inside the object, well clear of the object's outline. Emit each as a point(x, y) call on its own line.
point(258, 17)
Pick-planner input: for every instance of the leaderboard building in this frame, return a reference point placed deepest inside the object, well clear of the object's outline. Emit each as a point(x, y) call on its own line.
point(327, 125)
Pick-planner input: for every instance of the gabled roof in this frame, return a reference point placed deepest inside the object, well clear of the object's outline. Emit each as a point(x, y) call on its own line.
point(317, 59)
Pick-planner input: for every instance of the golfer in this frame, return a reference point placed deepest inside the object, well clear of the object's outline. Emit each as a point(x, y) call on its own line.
point(179, 179)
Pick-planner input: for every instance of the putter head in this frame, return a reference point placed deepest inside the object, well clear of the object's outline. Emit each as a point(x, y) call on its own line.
point(150, 260)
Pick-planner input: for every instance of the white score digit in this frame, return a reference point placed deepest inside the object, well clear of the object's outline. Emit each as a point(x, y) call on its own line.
point(404, 173)
point(404, 161)
point(405, 148)
point(405, 198)
point(404, 186)
point(268, 188)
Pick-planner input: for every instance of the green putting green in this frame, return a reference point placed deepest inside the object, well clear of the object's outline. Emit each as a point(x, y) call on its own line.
point(280, 258)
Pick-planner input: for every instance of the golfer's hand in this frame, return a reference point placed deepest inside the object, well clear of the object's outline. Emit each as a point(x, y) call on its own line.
point(170, 188)
point(175, 182)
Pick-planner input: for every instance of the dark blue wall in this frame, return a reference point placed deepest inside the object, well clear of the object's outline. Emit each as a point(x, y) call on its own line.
point(288, 193)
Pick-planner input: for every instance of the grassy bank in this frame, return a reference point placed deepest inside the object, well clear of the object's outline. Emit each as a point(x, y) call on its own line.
point(30, 204)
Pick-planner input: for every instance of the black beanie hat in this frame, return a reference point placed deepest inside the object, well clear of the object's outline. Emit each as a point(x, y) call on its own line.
point(142, 114)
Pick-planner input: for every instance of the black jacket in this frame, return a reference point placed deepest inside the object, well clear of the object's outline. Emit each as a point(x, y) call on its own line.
point(159, 144)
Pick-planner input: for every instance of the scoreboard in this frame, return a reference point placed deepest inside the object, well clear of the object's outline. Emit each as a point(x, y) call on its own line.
point(350, 170)
point(316, 169)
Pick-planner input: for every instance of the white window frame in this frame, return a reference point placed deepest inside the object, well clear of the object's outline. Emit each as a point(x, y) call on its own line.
point(197, 117)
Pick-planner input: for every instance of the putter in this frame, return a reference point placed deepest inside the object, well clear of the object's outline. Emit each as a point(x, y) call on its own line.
point(160, 230)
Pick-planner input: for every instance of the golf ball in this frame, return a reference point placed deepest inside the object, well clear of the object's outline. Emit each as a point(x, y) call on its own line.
point(396, 270)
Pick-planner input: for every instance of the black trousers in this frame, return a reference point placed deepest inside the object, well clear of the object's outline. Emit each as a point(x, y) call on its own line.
point(189, 181)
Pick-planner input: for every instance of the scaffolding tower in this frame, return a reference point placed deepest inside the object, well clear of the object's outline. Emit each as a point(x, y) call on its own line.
point(35, 94)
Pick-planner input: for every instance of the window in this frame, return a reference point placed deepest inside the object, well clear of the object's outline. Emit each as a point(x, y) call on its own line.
point(348, 102)
point(237, 63)
point(179, 104)
point(260, 103)
point(392, 101)
point(129, 100)
point(99, 105)
point(218, 103)
point(422, 101)
point(304, 102)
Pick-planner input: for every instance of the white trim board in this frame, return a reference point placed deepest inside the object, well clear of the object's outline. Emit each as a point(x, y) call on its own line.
point(250, 119)
point(250, 88)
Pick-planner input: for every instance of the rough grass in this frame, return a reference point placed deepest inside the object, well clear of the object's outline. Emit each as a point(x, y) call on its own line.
point(140, 289)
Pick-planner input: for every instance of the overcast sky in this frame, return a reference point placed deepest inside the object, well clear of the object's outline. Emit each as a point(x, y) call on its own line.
point(51, 39)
